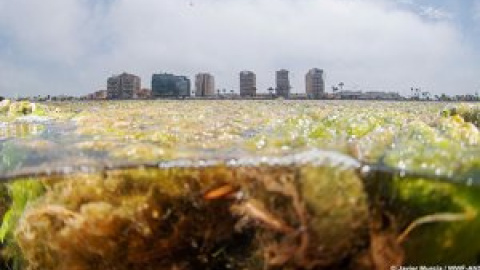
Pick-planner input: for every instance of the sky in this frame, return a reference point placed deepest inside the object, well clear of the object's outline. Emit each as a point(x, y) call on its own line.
point(71, 47)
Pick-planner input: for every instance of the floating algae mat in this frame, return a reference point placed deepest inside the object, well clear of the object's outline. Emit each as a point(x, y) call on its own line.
point(238, 185)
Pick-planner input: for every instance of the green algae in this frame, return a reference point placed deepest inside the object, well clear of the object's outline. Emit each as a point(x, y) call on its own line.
point(272, 128)
point(443, 240)
point(339, 213)
point(436, 223)
point(449, 148)
point(11, 110)
point(20, 195)
point(469, 112)
point(255, 216)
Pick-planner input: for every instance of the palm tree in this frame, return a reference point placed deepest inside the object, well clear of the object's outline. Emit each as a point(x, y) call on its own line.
point(270, 90)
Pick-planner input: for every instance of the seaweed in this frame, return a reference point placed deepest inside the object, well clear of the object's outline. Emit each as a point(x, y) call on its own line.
point(469, 112)
point(124, 220)
point(21, 194)
point(191, 218)
point(191, 204)
point(11, 110)
point(432, 221)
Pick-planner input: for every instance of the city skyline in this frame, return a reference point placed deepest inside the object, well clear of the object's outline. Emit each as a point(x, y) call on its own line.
point(389, 45)
point(126, 85)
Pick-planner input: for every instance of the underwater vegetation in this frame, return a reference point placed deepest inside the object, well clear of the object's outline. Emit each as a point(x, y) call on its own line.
point(153, 219)
point(241, 185)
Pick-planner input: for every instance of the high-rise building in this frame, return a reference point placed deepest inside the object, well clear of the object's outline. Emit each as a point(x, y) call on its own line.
point(204, 85)
point(315, 83)
point(122, 86)
point(283, 83)
point(248, 84)
point(169, 85)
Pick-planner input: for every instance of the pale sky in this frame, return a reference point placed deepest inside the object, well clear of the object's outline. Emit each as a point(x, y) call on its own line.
point(72, 46)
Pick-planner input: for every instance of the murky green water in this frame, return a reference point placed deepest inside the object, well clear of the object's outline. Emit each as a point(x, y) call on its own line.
point(240, 185)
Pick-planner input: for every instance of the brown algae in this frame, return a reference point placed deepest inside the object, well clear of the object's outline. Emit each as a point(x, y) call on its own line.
point(161, 219)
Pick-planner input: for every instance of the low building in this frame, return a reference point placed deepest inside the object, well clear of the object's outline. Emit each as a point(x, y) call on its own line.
point(169, 85)
point(143, 93)
point(371, 95)
point(101, 94)
point(97, 95)
point(204, 85)
point(248, 84)
point(122, 86)
point(299, 96)
point(347, 94)
point(378, 95)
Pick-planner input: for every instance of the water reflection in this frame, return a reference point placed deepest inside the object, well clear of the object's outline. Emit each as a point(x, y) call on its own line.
point(19, 130)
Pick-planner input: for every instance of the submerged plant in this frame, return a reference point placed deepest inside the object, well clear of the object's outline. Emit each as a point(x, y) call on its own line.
point(192, 218)
point(433, 221)
point(21, 194)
